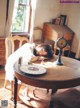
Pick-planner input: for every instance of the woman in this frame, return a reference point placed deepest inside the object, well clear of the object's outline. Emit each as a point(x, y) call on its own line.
point(28, 52)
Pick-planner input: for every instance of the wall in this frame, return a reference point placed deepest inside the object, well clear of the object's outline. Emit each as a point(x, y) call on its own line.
point(2, 16)
point(9, 19)
point(73, 21)
point(46, 10)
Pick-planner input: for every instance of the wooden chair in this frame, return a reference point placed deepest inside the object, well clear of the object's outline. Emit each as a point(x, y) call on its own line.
point(11, 44)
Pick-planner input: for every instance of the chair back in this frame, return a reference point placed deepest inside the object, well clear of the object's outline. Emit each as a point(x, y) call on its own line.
point(14, 42)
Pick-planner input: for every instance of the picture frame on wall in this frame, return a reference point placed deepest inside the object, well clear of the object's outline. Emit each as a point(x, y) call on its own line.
point(63, 19)
point(56, 21)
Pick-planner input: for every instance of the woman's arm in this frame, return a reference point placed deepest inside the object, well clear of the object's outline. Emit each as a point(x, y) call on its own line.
point(35, 58)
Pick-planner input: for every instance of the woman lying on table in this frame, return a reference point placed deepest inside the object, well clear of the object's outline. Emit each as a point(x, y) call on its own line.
point(28, 52)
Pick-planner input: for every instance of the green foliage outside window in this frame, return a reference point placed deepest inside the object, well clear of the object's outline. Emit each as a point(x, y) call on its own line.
point(19, 22)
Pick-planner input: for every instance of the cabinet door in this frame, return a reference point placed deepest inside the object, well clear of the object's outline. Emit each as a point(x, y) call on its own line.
point(2, 51)
point(49, 33)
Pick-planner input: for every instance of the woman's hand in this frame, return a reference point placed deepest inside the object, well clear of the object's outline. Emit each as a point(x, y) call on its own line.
point(41, 58)
point(36, 58)
point(33, 59)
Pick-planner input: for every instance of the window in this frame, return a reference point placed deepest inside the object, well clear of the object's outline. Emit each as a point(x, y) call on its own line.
point(21, 16)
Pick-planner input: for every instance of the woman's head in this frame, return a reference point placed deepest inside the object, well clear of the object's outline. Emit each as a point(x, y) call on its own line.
point(43, 50)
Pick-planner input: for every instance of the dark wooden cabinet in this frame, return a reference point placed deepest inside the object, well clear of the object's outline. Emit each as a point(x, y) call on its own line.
point(52, 32)
point(2, 51)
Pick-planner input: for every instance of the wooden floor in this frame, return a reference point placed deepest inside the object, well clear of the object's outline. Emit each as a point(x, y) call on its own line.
point(35, 102)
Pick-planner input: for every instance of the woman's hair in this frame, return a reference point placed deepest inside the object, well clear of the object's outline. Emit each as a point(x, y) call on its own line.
point(49, 51)
point(47, 48)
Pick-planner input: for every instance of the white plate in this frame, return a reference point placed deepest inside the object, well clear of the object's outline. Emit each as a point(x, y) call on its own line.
point(33, 69)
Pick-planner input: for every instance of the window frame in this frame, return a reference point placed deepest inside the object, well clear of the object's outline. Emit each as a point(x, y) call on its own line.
point(29, 24)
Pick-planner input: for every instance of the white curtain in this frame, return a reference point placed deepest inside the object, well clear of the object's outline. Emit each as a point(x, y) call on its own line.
point(9, 19)
point(33, 5)
point(78, 51)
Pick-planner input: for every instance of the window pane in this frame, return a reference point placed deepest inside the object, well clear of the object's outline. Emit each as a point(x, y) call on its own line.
point(21, 20)
point(17, 24)
point(24, 2)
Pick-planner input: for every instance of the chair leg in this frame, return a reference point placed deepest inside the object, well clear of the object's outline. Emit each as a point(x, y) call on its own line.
point(5, 83)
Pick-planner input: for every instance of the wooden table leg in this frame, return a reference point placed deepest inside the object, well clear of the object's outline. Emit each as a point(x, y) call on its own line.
point(51, 105)
point(15, 92)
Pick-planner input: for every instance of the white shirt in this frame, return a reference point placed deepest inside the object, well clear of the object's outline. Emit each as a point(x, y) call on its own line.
point(25, 52)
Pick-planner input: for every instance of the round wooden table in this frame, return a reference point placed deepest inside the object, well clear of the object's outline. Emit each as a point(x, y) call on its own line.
point(57, 77)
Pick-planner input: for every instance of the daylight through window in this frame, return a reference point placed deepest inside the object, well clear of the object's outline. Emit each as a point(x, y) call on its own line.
point(21, 14)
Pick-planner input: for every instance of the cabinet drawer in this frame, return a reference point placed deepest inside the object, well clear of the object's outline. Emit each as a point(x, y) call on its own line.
point(2, 53)
point(68, 36)
point(2, 46)
point(48, 28)
point(51, 35)
point(2, 61)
